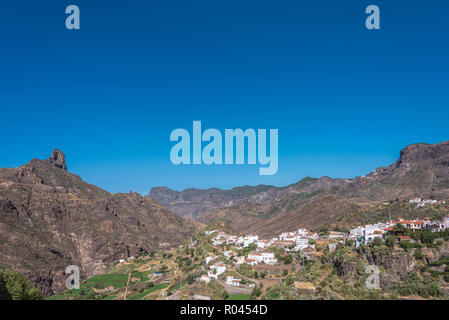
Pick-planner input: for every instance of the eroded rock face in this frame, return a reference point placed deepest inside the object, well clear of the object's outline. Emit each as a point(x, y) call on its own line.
point(50, 219)
point(395, 265)
point(347, 268)
point(423, 152)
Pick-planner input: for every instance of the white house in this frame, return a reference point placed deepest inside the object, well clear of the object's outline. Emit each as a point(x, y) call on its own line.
point(335, 235)
point(263, 244)
point(216, 270)
point(268, 258)
point(229, 254)
point(248, 239)
point(209, 259)
point(359, 231)
point(205, 278)
point(219, 268)
point(287, 236)
point(255, 256)
point(301, 244)
point(208, 233)
point(232, 281)
point(375, 234)
point(251, 262)
point(239, 260)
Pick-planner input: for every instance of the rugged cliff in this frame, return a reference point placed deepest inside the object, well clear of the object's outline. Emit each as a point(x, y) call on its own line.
point(50, 218)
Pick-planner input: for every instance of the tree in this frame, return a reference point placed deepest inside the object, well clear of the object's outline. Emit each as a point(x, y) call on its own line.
point(399, 229)
point(256, 292)
point(288, 259)
point(427, 238)
point(190, 279)
point(17, 287)
point(390, 241)
point(377, 242)
point(4, 294)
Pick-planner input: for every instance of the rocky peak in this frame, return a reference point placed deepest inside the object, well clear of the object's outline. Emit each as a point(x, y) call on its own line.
point(421, 152)
point(58, 159)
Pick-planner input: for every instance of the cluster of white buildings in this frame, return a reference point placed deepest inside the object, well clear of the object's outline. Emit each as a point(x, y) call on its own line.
point(215, 270)
point(292, 241)
point(423, 202)
point(265, 257)
point(126, 260)
point(233, 281)
point(223, 238)
point(298, 239)
point(369, 232)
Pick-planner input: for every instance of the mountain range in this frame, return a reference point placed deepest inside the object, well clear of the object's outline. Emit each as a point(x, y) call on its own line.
point(422, 170)
point(50, 219)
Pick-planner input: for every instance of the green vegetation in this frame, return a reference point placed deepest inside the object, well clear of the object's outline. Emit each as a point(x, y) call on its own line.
point(239, 297)
point(316, 274)
point(141, 295)
point(414, 285)
point(444, 260)
point(15, 286)
point(115, 280)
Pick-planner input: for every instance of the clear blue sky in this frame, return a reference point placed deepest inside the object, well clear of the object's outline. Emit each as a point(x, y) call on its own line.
point(345, 100)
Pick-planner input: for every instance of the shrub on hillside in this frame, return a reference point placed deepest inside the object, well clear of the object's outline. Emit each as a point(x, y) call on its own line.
point(15, 286)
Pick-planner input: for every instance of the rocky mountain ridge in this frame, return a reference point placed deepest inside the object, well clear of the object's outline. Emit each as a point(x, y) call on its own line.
point(50, 219)
point(422, 170)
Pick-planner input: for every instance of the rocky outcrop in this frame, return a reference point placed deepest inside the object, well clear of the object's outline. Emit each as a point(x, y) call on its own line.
point(395, 264)
point(50, 219)
point(422, 170)
point(58, 159)
point(423, 152)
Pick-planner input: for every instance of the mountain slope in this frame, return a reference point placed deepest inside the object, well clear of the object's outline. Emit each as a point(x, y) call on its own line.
point(422, 170)
point(50, 218)
point(193, 203)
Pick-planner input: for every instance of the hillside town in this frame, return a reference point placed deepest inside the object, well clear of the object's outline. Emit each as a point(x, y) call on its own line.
point(301, 240)
point(220, 263)
point(421, 203)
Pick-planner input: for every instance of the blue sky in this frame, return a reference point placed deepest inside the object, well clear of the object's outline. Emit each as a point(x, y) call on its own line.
point(345, 100)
